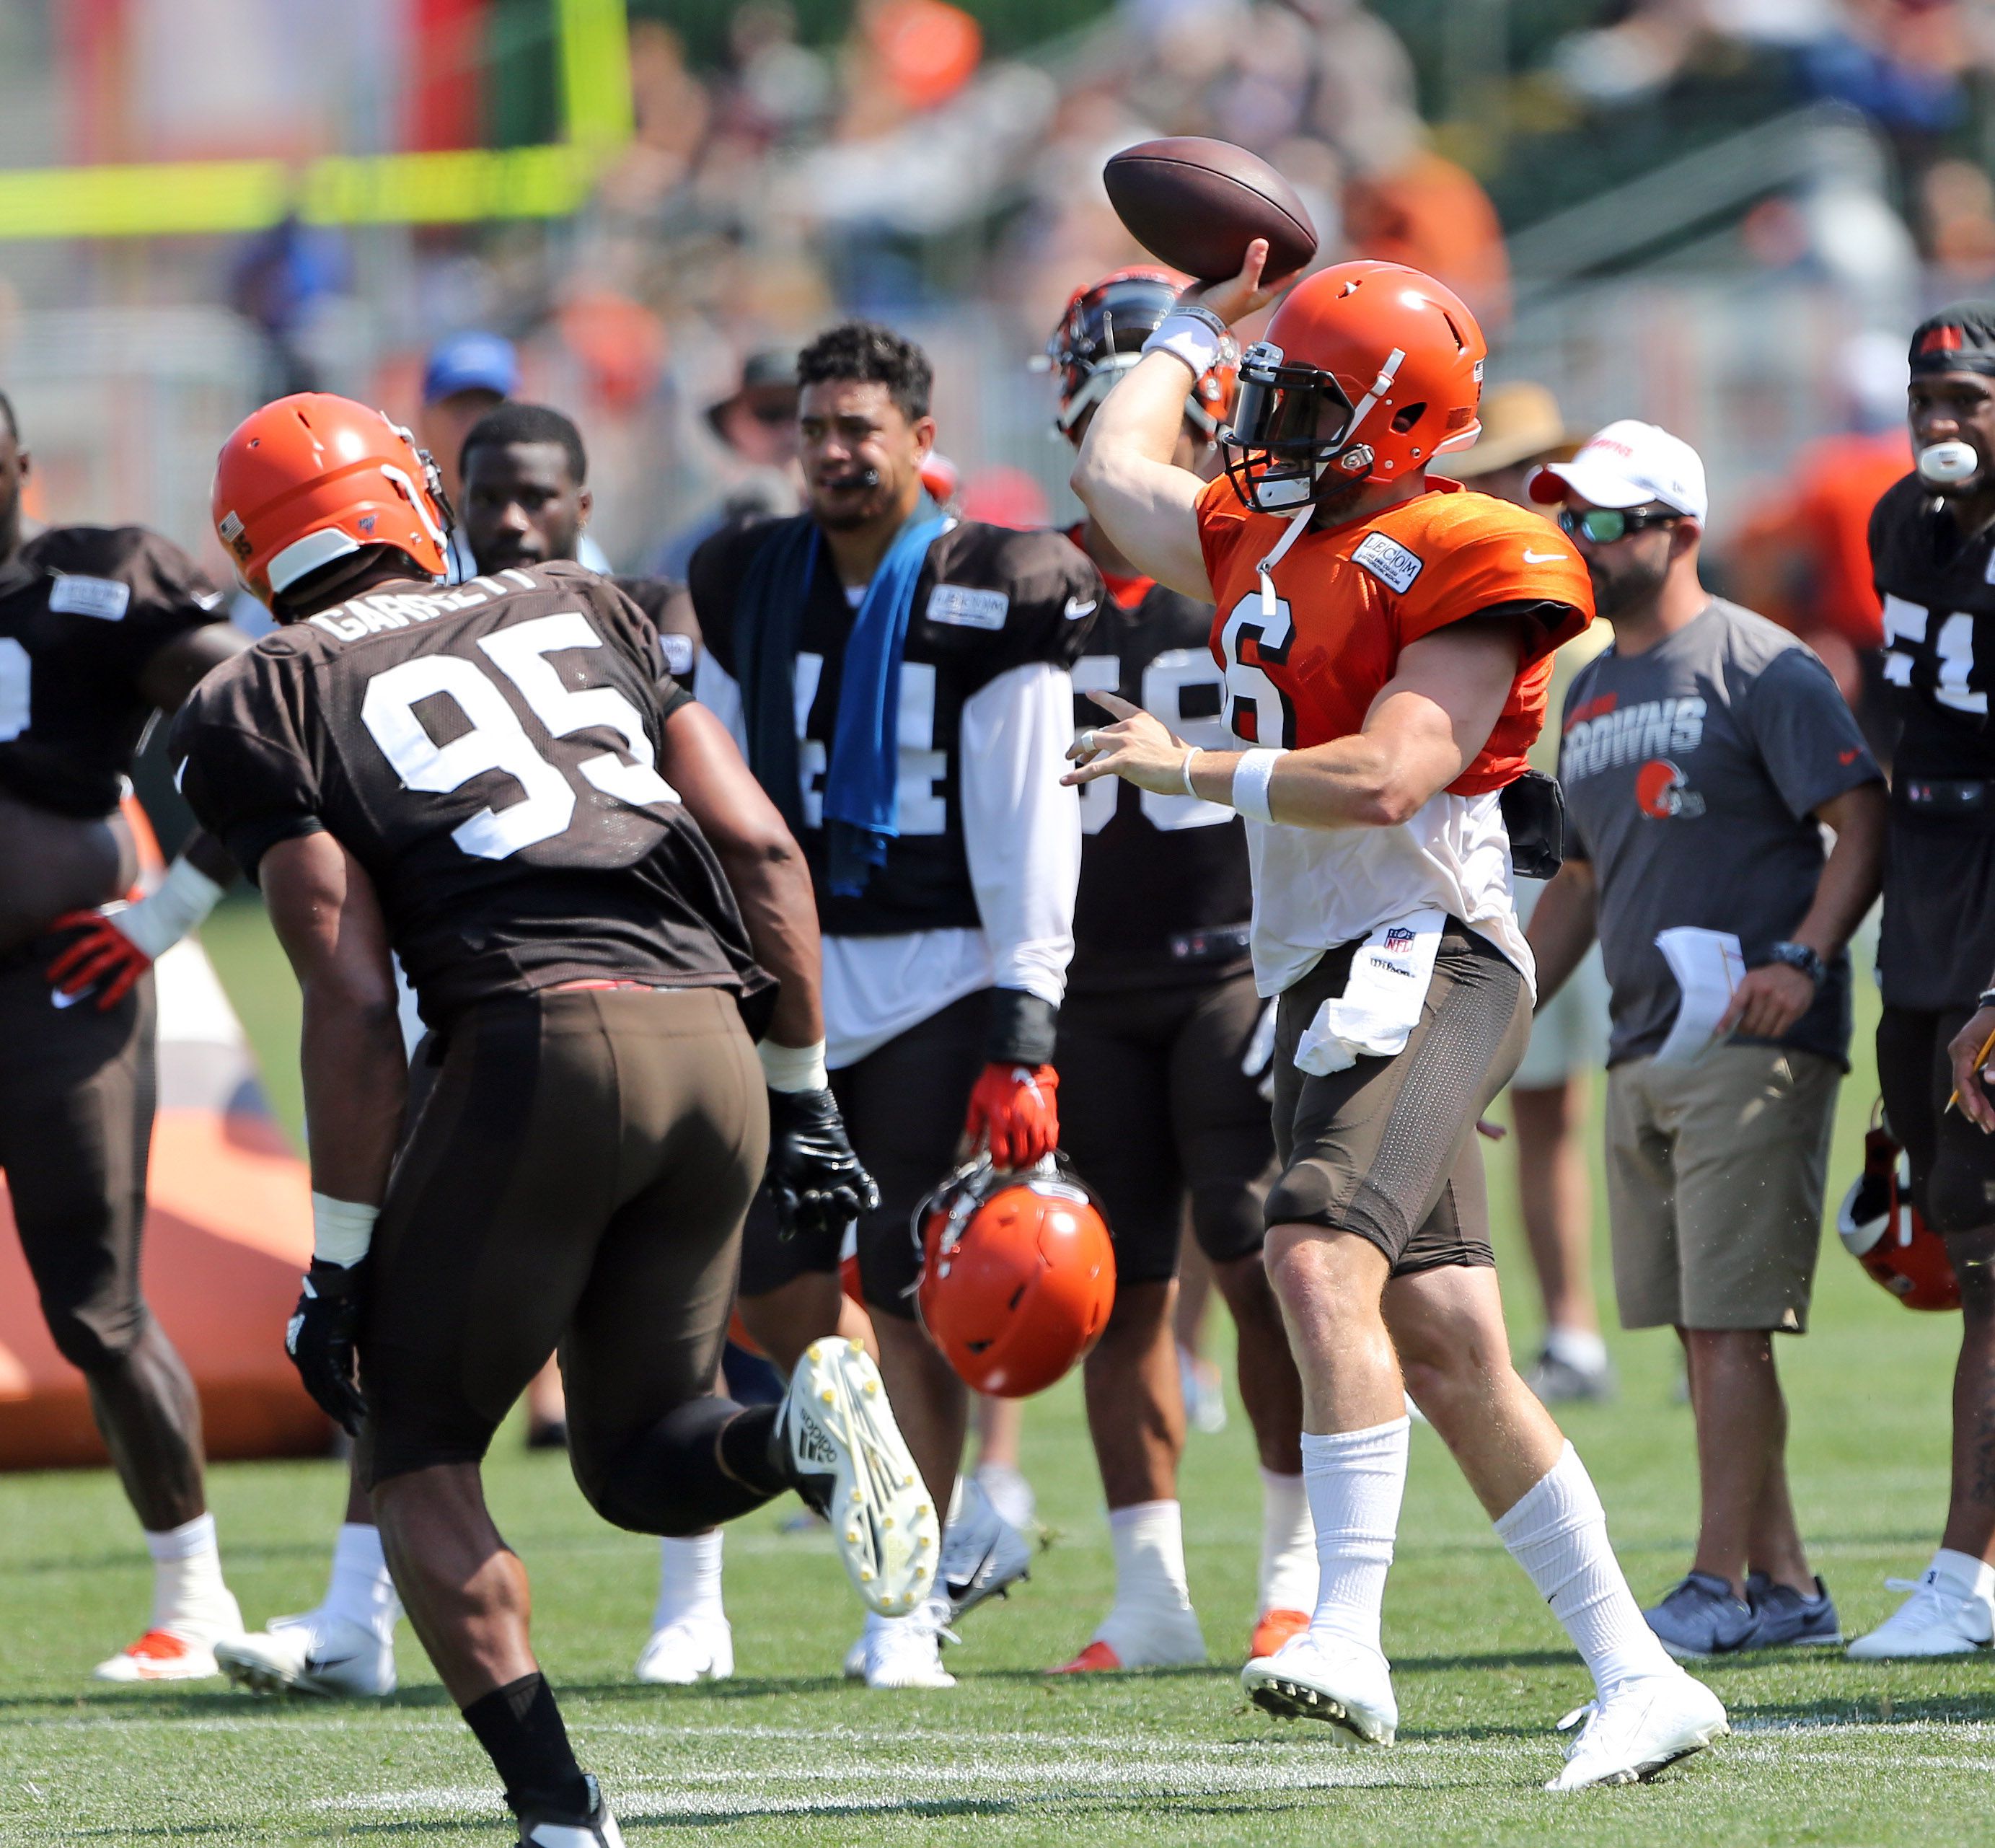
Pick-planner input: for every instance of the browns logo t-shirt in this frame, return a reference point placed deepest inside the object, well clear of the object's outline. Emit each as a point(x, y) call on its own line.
point(1692, 771)
point(1348, 601)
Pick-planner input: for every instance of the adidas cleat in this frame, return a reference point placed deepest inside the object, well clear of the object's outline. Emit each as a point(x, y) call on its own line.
point(316, 1654)
point(848, 1460)
point(1312, 1678)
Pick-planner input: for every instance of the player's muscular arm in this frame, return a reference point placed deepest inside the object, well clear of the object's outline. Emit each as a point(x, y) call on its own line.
point(326, 916)
point(1424, 729)
point(1125, 478)
point(1563, 927)
point(1124, 475)
point(763, 864)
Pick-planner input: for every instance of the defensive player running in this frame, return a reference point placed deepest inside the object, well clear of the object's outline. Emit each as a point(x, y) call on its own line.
point(1386, 640)
point(499, 783)
point(900, 683)
point(1164, 1110)
point(1932, 550)
point(99, 628)
point(527, 501)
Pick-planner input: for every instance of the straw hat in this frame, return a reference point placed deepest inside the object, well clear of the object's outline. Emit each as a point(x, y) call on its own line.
point(1521, 422)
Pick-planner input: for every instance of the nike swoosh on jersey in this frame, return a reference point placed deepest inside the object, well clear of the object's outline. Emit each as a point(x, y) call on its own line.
point(1075, 609)
point(1545, 558)
point(65, 1001)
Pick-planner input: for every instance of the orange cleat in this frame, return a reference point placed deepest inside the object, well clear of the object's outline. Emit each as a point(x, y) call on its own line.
point(159, 1655)
point(1097, 1658)
point(1275, 1629)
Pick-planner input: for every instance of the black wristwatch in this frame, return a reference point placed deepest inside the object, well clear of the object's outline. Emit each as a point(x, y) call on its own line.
point(1798, 956)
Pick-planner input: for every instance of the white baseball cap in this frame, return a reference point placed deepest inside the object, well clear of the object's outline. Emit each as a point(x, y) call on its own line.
point(1626, 464)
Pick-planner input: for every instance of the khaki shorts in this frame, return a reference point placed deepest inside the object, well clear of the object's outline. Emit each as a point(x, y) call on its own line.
point(1715, 1178)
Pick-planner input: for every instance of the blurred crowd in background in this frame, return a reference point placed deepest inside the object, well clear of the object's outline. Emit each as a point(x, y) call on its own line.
point(1694, 210)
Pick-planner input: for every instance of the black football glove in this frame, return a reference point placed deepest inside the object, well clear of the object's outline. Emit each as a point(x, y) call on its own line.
point(319, 1339)
point(815, 1179)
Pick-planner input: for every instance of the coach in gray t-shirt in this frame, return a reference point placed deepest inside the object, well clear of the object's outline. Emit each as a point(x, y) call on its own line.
point(1700, 756)
point(1693, 769)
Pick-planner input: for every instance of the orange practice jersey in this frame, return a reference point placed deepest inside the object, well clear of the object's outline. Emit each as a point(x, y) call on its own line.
point(1349, 598)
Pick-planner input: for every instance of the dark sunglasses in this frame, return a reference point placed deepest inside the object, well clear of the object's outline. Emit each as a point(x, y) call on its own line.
point(1603, 525)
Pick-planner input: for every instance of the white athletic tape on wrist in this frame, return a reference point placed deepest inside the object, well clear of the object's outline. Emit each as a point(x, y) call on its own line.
point(1184, 772)
point(792, 1067)
point(341, 1229)
point(1188, 338)
point(161, 918)
point(1250, 778)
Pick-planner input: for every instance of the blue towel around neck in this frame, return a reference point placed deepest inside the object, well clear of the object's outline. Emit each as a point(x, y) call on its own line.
point(862, 805)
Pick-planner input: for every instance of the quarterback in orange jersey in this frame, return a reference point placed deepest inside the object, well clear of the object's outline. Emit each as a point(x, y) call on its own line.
point(1386, 641)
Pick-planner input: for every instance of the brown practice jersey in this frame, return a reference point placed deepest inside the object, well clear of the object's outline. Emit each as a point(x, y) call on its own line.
point(988, 600)
point(1938, 943)
point(488, 752)
point(83, 609)
point(1165, 896)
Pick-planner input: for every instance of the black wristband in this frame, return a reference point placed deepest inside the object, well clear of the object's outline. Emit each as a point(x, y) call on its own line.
point(1022, 1029)
point(1985, 999)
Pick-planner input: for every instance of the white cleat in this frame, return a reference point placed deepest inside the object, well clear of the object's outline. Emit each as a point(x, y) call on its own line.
point(161, 1655)
point(906, 1652)
point(1934, 1621)
point(318, 1653)
point(1325, 1678)
point(1639, 1728)
point(600, 1831)
point(983, 1555)
point(841, 1440)
point(690, 1649)
point(855, 1657)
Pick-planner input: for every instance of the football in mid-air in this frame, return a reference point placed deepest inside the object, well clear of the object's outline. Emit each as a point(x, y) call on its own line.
point(1196, 205)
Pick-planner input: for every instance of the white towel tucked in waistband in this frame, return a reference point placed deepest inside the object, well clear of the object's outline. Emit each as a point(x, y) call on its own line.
point(1381, 1002)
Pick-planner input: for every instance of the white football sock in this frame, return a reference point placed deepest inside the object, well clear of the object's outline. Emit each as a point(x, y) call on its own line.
point(360, 1589)
point(689, 1579)
point(1557, 1533)
point(1288, 1544)
point(1150, 1586)
point(1355, 1481)
point(1579, 1348)
point(1963, 1574)
point(187, 1587)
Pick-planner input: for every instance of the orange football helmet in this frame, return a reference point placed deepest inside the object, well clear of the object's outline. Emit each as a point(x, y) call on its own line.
point(313, 478)
point(1101, 335)
point(1887, 1234)
point(1369, 371)
point(1017, 1274)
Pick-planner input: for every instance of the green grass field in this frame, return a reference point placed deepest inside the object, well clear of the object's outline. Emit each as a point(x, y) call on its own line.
point(1825, 1751)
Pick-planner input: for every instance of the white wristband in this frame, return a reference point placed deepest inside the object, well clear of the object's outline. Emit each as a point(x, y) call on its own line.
point(1190, 338)
point(792, 1067)
point(341, 1229)
point(166, 915)
point(1250, 777)
point(1184, 772)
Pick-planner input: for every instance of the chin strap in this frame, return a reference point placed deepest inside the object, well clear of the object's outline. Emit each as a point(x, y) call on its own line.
point(1266, 567)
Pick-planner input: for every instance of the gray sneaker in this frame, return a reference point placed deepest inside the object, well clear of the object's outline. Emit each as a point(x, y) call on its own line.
point(1557, 1381)
point(1700, 1617)
point(1783, 1618)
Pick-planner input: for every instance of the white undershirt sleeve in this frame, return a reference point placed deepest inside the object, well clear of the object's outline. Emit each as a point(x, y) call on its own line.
point(720, 693)
point(1020, 829)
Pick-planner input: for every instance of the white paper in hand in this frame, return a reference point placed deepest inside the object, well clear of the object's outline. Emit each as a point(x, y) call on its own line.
point(1708, 965)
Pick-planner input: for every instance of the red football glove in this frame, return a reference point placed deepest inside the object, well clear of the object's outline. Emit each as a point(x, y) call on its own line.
point(102, 957)
point(1014, 1112)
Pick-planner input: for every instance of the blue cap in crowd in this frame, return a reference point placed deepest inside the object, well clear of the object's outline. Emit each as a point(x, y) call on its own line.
point(473, 362)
